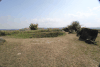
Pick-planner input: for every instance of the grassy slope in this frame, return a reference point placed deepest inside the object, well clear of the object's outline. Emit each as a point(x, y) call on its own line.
point(63, 51)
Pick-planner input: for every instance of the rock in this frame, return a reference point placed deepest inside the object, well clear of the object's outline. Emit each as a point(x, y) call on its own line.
point(2, 40)
point(18, 53)
point(99, 65)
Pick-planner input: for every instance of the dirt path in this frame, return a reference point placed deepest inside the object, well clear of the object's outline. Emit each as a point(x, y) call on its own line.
point(61, 51)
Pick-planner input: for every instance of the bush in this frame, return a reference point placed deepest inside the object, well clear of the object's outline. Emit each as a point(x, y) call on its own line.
point(75, 26)
point(33, 26)
point(66, 29)
point(2, 33)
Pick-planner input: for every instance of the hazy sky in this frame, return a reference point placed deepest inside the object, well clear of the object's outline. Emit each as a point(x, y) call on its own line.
point(17, 14)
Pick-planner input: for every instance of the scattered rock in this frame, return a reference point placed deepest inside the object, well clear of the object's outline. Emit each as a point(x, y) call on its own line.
point(18, 53)
point(99, 65)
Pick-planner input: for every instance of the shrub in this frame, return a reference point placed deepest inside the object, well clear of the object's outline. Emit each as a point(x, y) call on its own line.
point(75, 26)
point(2, 33)
point(33, 26)
point(65, 29)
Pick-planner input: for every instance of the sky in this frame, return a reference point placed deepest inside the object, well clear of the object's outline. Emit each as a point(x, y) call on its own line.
point(18, 14)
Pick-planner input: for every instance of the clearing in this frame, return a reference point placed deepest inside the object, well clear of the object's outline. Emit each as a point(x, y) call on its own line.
point(63, 51)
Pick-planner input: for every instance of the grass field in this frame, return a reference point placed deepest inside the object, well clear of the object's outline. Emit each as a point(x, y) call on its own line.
point(33, 33)
point(62, 51)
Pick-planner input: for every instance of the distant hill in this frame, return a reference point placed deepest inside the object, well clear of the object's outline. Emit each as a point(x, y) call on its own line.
point(52, 28)
point(94, 27)
point(9, 29)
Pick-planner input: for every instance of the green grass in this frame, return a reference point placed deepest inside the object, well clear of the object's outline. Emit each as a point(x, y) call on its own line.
point(47, 34)
point(34, 33)
point(37, 34)
point(9, 32)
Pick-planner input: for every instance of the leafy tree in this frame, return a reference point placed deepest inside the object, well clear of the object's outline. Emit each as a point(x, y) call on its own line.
point(74, 26)
point(33, 26)
point(70, 27)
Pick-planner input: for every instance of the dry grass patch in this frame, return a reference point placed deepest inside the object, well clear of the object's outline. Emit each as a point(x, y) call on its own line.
point(64, 51)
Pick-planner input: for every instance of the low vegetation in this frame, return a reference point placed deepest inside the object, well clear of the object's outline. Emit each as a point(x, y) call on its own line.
point(33, 33)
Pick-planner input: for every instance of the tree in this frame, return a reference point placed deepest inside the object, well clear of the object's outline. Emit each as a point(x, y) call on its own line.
point(74, 26)
point(33, 26)
point(70, 27)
